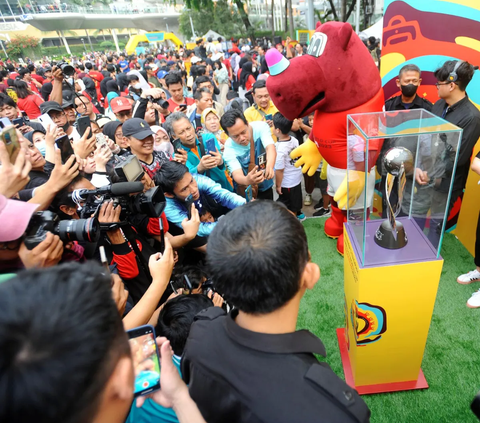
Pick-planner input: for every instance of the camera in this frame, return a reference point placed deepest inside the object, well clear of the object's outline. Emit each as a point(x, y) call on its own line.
point(160, 101)
point(130, 169)
point(68, 230)
point(66, 68)
point(150, 203)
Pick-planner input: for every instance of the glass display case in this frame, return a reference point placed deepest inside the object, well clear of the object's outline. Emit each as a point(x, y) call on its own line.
point(400, 169)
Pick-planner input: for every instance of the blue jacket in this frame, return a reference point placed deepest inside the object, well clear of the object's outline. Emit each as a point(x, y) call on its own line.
point(217, 173)
point(176, 211)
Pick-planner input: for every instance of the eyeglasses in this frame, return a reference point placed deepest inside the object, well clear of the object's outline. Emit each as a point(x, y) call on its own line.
point(442, 83)
point(124, 113)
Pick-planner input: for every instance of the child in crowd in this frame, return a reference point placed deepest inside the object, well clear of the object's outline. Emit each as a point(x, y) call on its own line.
point(288, 178)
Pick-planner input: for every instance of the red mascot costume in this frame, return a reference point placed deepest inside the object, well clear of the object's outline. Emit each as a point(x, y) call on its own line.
point(336, 77)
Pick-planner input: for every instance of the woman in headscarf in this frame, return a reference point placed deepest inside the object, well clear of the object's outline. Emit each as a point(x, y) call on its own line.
point(211, 124)
point(162, 140)
point(91, 93)
point(112, 91)
point(113, 130)
point(142, 82)
point(103, 86)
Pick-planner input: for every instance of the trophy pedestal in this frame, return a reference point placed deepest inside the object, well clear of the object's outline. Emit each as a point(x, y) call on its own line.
point(384, 236)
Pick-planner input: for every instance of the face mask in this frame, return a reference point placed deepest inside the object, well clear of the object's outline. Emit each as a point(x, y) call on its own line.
point(65, 127)
point(41, 147)
point(409, 90)
point(166, 147)
point(137, 86)
point(254, 69)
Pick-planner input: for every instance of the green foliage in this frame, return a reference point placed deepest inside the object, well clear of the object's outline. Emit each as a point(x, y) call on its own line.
point(107, 45)
point(23, 46)
point(222, 18)
point(78, 50)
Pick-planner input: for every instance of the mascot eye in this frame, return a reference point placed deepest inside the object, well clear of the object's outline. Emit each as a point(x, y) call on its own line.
point(317, 44)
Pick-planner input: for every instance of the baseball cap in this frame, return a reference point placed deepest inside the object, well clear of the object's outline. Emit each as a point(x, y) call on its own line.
point(14, 211)
point(50, 106)
point(67, 103)
point(119, 104)
point(162, 74)
point(195, 59)
point(170, 63)
point(103, 121)
point(136, 127)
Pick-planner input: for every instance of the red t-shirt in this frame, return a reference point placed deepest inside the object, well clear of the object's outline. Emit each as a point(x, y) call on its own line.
point(30, 105)
point(172, 105)
point(38, 78)
point(33, 87)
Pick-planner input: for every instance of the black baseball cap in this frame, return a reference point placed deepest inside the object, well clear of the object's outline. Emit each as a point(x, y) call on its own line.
point(67, 103)
point(50, 106)
point(137, 128)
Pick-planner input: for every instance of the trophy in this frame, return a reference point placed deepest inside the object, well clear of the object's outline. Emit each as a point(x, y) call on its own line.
point(398, 161)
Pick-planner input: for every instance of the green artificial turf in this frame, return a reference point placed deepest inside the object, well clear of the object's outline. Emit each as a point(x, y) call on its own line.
point(451, 363)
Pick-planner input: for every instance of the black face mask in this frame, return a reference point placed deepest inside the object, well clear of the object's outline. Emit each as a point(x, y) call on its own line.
point(65, 127)
point(409, 90)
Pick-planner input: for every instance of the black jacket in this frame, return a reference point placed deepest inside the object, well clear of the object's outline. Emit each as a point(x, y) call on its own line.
point(235, 375)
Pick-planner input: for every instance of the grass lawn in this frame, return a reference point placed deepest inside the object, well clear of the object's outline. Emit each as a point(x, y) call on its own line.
point(451, 363)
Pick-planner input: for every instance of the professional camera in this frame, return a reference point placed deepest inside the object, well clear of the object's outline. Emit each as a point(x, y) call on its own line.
point(68, 230)
point(66, 68)
point(160, 101)
point(150, 203)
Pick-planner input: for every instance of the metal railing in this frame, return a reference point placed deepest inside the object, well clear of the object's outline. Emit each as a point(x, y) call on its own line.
point(119, 9)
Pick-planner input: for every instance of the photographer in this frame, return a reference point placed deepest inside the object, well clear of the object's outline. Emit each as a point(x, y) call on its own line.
point(150, 104)
point(181, 189)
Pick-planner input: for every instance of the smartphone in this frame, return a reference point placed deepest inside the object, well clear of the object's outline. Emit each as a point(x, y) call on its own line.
point(188, 204)
point(176, 145)
point(210, 146)
point(101, 140)
point(248, 194)
point(65, 146)
point(146, 362)
point(83, 122)
point(46, 121)
point(183, 107)
point(262, 161)
point(268, 117)
point(10, 139)
point(19, 121)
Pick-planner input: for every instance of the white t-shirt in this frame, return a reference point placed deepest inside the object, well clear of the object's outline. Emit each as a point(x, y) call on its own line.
point(292, 176)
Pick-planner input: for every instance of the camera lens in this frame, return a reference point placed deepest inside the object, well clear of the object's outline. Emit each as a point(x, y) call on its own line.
point(67, 69)
point(163, 104)
point(79, 230)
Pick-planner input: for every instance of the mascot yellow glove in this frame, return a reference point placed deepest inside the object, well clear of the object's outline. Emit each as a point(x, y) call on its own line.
point(323, 173)
point(309, 159)
point(356, 183)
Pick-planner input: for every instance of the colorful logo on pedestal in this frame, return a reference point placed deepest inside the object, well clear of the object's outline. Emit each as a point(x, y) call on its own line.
point(369, 322)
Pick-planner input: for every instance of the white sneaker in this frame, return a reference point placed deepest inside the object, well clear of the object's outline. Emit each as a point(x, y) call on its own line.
point(308, 200)
point(473, 276)
point(474, 301)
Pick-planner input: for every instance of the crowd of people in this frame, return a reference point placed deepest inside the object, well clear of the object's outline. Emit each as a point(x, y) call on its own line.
point(131, 193)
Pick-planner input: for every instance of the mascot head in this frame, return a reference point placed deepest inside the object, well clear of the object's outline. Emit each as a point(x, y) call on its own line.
point(337, 74)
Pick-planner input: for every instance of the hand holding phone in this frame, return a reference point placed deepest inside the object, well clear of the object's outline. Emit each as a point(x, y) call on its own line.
point(210, 146)
point(262, 161)
point(248, 194)
point(83, 123)
point(146, 361)
point(65, 147)
point(10, 138)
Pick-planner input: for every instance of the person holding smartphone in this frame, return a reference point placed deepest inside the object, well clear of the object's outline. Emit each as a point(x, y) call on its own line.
point(178, 102)
point(203, 151)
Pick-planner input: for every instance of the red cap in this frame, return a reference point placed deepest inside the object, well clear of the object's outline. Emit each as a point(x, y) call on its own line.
point(119, 104)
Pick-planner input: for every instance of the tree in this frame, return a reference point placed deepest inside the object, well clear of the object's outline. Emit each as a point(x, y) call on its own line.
point(346, 9)
point(209, 5)
point(222, 18)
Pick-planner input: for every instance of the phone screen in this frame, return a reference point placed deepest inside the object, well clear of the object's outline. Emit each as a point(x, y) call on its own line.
point(10, 139)
point(188, 204)
point(146, 361)
point(19, 121)
point(262, 161)
point(66, 149)
point(268, 117)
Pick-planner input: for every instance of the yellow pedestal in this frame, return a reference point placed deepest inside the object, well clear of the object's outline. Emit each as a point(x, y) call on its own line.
point(387, 316)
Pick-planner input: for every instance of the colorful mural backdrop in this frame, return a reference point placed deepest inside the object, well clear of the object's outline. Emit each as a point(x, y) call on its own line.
point(427, 33)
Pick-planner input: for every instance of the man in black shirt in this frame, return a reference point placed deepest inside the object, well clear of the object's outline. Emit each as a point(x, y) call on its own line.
point(408, 81)
point(455, 107)
point(251, 365)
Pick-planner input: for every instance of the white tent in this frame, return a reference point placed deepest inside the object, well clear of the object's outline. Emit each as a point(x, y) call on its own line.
point(376, 30)
point(212, 34)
